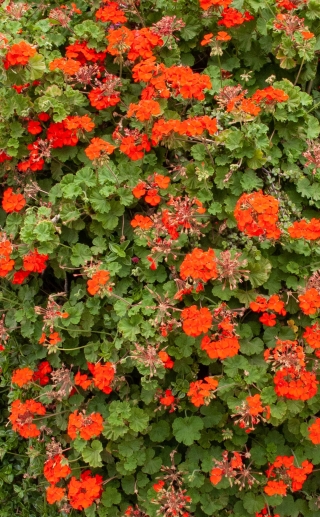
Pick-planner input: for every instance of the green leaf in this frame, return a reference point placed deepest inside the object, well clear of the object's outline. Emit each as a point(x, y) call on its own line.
point(198, 152)
point(91, 454)
point(257, 160)
point(250, 181)
point(138, 420)
point(278, 410)
point(268, 395)
point(110, 496)
point(313, 127)
point(116, 248)
point(253, 502)
point(159, 431)
point(85, 176)
point(187, 430)
point(99, 202)
point(152, 465)
point(251, 347)
point(259, 271)
point(81, 253)
point(37, 66)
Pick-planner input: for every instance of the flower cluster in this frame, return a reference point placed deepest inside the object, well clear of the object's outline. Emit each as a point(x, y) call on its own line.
point(224, 342)
point(201, 392)
point(257, 215)
point(98, 283)
point(250, 413)
point(196, 321)
point(288, 475)
point(199, 265)
point(235, 470)
point(273, 304)
point(22, 416)
point(86, 426)
point(295, 384)
point(102, 377)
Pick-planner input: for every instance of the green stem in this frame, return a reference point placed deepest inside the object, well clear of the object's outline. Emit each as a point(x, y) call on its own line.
point(299, 72)
point(313, 107)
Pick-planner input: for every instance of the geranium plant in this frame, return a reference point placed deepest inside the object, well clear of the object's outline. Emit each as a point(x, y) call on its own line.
point(159, 258)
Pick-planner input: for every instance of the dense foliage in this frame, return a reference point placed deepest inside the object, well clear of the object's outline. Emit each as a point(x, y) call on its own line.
point(159, 258)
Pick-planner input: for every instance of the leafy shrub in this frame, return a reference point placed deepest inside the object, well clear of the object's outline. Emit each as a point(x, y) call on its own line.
point(160, 168)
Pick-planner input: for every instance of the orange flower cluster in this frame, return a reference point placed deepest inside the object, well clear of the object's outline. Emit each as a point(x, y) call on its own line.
point(141, 221)
point(150, 190)
point(34, 127)
point(276, 488)
point(221, 36)
point(35, 262)
point(166, 359)
point(295, 384)
point(75, 123)
point(286, 353)
point(68, 66)
point(206, 4)
point(191, 127)
point(183, 217)
point(97, 284)
point(6, 263)
point(21, 417)
point(168, 400)
point(250, 412)
point(52, 340)
point(312, 337)
point(22, 376)
point(12, 202)
point(4, 157)
point(83, 493)
point(180, 79)
point(54, 494)
point(309, 231)
point(314, 432)
point(257, 215)
point(19, 54)
point(137, 43)
point(85, 426)
point(292, 477)
point(103, 375)
point(133, 143)
point(144, 110)
point(234, 469)
point(82, 53)
point(196, 321)
point(98, 148)
point(100, 99)
point(262, 304)
point(269, 96)
point(227, 343)
point(232, 18)
point(59, 135)
point(290, 4)
point(35, 162)
point(292, 24)
point(20, 276)
point(202, 392)
point(309, 302)
point(111, 13)
point(41, 373)
point(233, 98)
point(199, 265)
point(56, 468)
